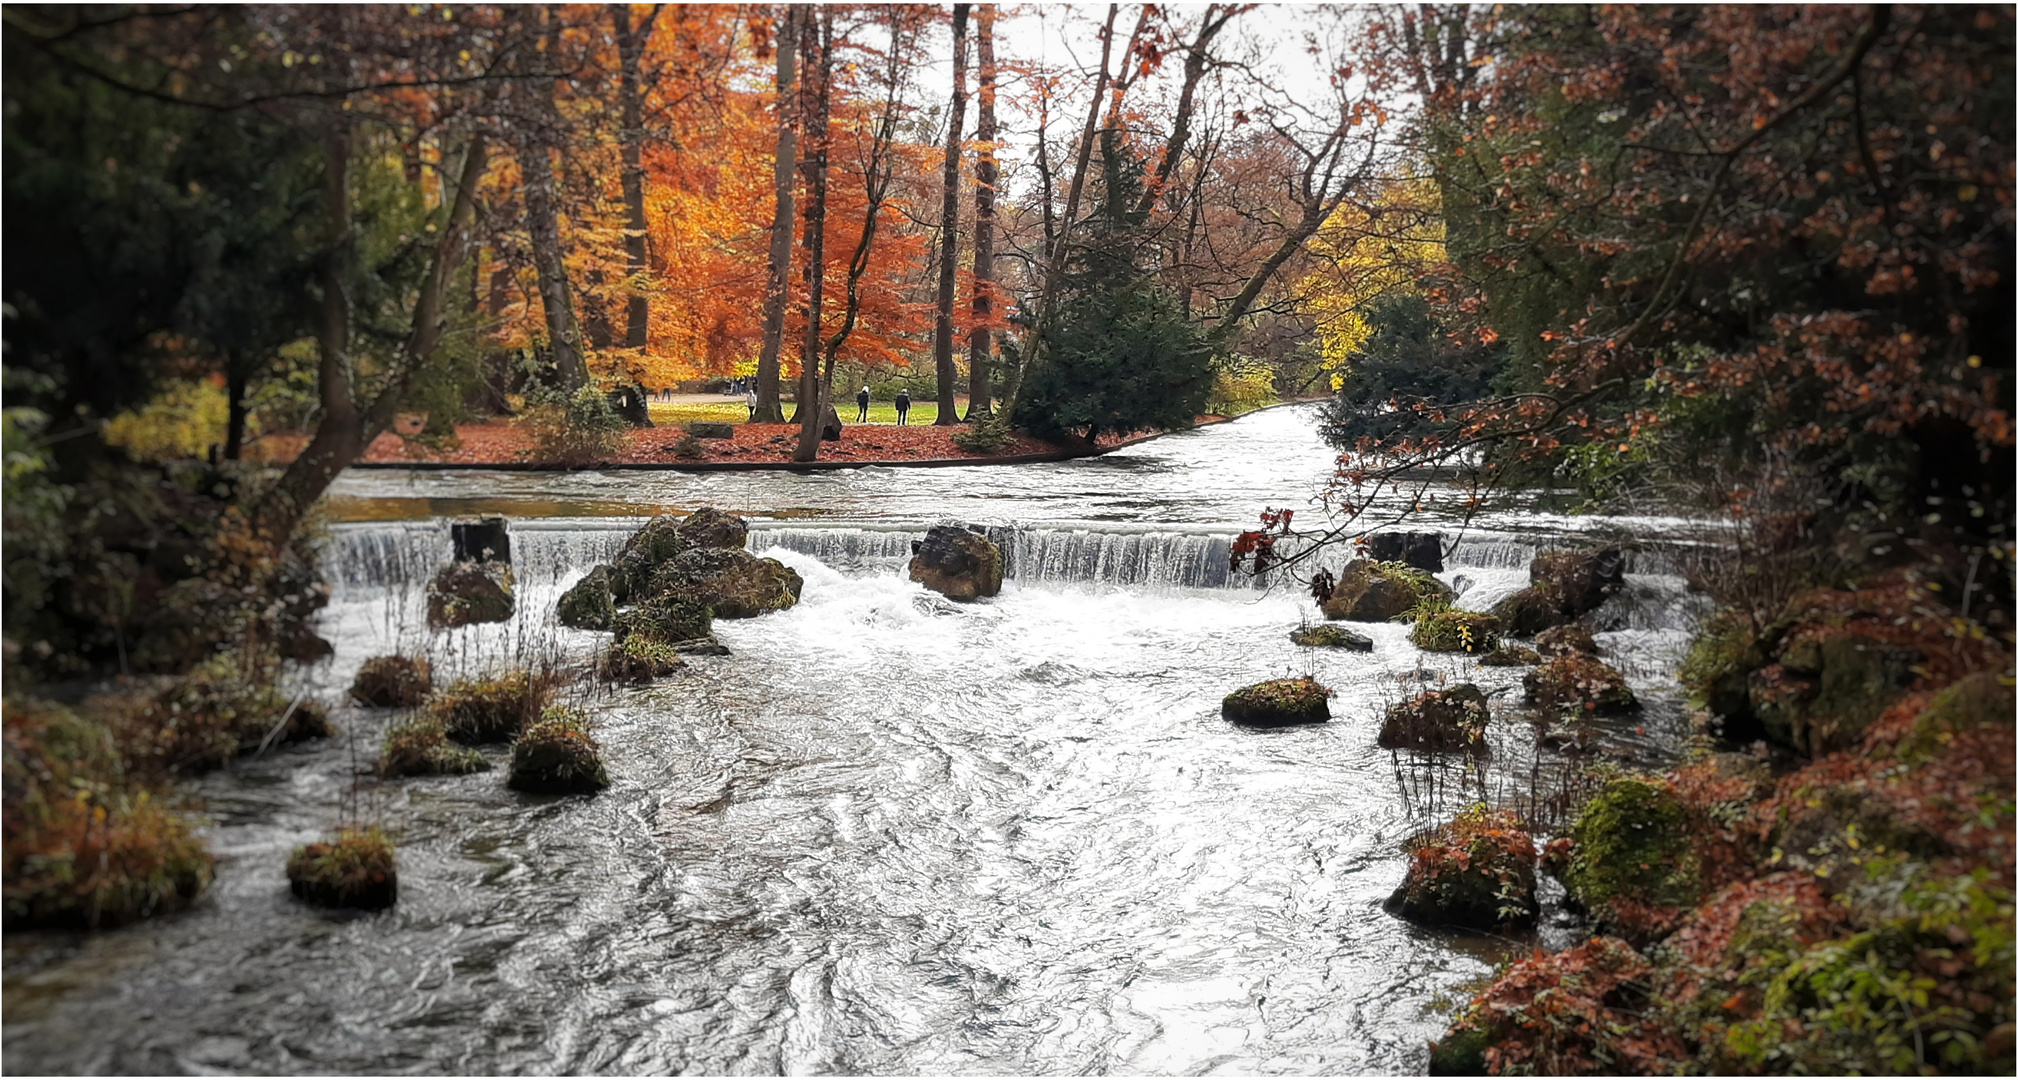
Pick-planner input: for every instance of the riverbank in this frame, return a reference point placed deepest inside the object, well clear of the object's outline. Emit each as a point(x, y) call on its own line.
point(504, 445)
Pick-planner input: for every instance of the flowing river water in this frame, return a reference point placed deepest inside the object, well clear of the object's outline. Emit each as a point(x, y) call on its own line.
point(888, 833)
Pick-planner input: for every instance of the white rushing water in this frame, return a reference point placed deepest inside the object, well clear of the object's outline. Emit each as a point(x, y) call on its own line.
point(887, 834)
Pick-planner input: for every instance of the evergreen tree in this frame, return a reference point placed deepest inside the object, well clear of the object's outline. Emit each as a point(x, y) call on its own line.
point(1123, 356)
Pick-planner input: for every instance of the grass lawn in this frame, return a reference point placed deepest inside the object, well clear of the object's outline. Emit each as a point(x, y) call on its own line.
point(880, 412)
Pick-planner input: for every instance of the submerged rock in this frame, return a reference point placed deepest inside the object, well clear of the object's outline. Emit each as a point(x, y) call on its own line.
point(1453, 719)
point(355, 870)
point(1279, 701)
point(1368, 591)
point(1563, 586)
point(464, 593)
point(1331, 637)
point(957, 563)
point(1476, 872)
point(392, 682)
point(1581, 683)
point(556, 755)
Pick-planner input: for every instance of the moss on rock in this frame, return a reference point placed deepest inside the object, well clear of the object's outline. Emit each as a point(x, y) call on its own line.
point(1446, 629)
point(1630, 852)
point(354, 870)
point(1983, 700)
point(419, 747)
point(491, 708)
point(465, 593)
point(1368, 591)
point(637, 660)
point(665, 619)
point(1580, 683)
point(1279, 701)
point(393, 682)
point(732, 583)
point(1331, 637)
point(1476, 871)
point(1451, 719)
point(1510, 656)
point(556, 755)
point(589, 604)
point(1566, 640)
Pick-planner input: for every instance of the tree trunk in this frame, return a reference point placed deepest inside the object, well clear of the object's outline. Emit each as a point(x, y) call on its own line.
point(343, 433)
point(236, 375)
point(542, 197)
point(949, 225)
point(777, 287)
point(630, 137)
point(812, 403)
point(980, 342)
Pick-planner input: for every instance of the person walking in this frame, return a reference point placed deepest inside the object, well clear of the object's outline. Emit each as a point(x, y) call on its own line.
point(903, 406)
point(862, 406)
point(750, 399)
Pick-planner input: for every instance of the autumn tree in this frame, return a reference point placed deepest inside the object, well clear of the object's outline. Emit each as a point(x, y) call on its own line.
point(949, 224)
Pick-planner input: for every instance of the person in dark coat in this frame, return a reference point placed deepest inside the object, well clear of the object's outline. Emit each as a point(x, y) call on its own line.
point(903, 407)
point(862, 406)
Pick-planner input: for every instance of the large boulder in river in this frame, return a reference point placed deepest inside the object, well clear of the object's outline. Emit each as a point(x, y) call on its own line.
point(1422, 550)
point(708, 527)
point(1563, 586)
point(469, 592)
point(957, 563)
point(733, 582)
point(1369, 591)
point(1453, 719)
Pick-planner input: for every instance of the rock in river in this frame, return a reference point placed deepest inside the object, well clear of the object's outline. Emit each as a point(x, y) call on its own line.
point(957, 563)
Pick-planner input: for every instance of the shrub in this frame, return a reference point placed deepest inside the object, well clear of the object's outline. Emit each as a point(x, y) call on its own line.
point(223, 707)
point(492, 708)
point(418, 747)
point(556, 755)
point(1579, 1012)
point(987, 436)
point(576, 429)
point(392, 682)
point(84, 846)
point(354, 870)
point(1240, 384)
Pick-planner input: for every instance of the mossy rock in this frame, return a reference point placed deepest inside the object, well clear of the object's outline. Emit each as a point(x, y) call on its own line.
point(708, 527)
point(1475, 872)
point(392, 682)
point(1563, 587)
point(419, 747)
point(589, 604)
point(1331, 637)
point(957, 563)
point(1580, 683)
point(1438, 720)
point(466, 593)
point(637, 661)
point(556, 755)
point(1565, 640)
point(665, 619)
point(1278, 701)
point(1451, 630)
point(1982, 701)
point(1510, 656)
point(355, 870)
point(1631, 842)
point(1717, 670)
point(732, 583)
point(86, 846)
point(1368, 591)
point(657, 542)
point(1461, 1051)
point(1828, 688)
point(491, 708)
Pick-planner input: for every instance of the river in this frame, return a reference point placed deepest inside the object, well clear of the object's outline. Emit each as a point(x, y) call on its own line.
point(888, 833)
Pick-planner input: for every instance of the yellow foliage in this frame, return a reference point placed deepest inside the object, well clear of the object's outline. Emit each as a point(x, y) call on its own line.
point(1366, 253)
point(182, 421)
